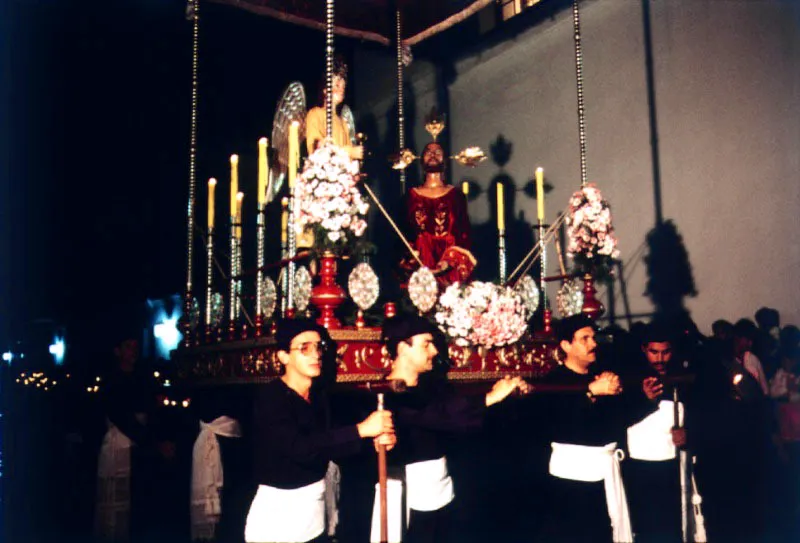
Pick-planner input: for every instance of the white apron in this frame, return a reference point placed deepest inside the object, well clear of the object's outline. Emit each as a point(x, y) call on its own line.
point(428, 487)
point(286, 516)
point(650, 439)
point(113, 501)
point(592, 465)
point(207, 476)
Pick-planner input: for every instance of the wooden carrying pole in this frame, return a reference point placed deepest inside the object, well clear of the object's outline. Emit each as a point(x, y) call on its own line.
point(382, 494)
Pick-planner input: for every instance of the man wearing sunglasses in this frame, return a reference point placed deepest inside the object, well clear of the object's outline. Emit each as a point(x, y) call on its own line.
point(295, 441)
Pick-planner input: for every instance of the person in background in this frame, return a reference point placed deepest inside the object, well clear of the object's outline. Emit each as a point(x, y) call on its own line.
point(767, 343)
point(722, 330)
point(129, 451)
point(744, 335)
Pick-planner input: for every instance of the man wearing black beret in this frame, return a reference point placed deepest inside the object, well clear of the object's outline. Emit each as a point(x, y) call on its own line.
point(295, 441)
point(425, 413)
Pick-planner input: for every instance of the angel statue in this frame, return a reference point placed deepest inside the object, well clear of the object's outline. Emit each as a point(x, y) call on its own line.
point(343, 130)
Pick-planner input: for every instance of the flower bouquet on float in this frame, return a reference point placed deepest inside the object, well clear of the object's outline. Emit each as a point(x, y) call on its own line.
point(331, 209)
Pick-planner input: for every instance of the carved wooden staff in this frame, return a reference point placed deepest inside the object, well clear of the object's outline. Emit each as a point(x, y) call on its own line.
point(682, 467)
point(382, 494)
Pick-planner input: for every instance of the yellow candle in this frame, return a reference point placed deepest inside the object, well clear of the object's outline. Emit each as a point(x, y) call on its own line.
point(540, 194)
point(501, 217)
point(294, 155)
point(234, 182)
point(263, 168)
point(285, 221)
point(239, 198)
point(465, 188)
point(212, 184)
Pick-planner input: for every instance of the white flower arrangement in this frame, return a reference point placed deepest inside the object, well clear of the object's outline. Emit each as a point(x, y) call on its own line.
point(592, 241)
point(327, 197)
point(481, 314)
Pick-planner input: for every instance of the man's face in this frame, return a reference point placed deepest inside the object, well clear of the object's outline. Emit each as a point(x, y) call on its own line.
point(742, 344)
point(127, 354)
point(658, 354)
point(338, 90)
point(420, 351)
point(433, 158)
point(305, 355)
point(582, 349)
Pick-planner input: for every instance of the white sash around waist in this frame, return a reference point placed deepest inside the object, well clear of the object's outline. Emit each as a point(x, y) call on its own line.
point(651, 438)
point(394, 512)
point(289, 516)
point(208, 477)
point(595, 464)
point(428, 485)
point(115, 454)
point(113, 498)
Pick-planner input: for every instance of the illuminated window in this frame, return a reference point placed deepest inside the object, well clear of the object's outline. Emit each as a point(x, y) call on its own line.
point(509, 8)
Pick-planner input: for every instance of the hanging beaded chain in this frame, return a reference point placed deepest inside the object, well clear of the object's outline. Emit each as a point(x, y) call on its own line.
point(194, 15)
point(401, 121)
point(576, 23)
point(329, 68)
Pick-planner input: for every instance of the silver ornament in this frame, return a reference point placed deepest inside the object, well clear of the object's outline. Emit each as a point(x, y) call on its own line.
point(363, 286)
point(569, 299)
point(529, 292)
point(302, 288)
point(422, 289)
point(269, 297)
point(217, 309)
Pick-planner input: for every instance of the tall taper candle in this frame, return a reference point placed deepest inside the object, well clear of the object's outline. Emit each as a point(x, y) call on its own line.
point(540, 194)
point(239, 198)
point(501, 210)
point(294, 153)
point(234, 182)
point(212, 184)
point(263, 169)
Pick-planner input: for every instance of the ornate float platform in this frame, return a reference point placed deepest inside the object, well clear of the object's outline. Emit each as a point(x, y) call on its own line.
point(360, 358)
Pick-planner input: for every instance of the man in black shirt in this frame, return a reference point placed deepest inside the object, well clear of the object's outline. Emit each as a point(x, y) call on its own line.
point(295, 441)
point(426, 413)
point(584, 424)
point(652, 469)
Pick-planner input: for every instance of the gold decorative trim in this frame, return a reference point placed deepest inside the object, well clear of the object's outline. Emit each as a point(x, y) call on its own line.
point(364, 334)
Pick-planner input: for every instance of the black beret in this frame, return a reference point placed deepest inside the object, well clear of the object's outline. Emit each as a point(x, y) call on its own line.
point(288, 329)
point(402, 328)
point(566, 327)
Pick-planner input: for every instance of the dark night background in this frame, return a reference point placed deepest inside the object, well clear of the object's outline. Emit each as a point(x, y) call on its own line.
point(96, 170)
point(94, 164)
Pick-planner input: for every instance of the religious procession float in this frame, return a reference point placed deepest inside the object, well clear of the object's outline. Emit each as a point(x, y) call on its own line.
point(492, 328)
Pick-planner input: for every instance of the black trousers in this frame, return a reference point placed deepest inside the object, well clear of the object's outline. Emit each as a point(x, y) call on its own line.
point(654, 499)
point(429, 526)
point(577, 513)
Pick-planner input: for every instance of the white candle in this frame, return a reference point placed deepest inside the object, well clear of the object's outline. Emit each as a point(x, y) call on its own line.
point(234, 182)
point(294, 148)
point(540, 194)
point(263, 171)
point(212, 185)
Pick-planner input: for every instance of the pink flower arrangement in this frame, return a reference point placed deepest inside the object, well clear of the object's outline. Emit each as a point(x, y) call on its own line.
point(327, 197)
point(592, 241)
point(482, 314)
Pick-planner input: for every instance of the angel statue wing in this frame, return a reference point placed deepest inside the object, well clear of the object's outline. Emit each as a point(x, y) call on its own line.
point(347, 115)
point(291, 107)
